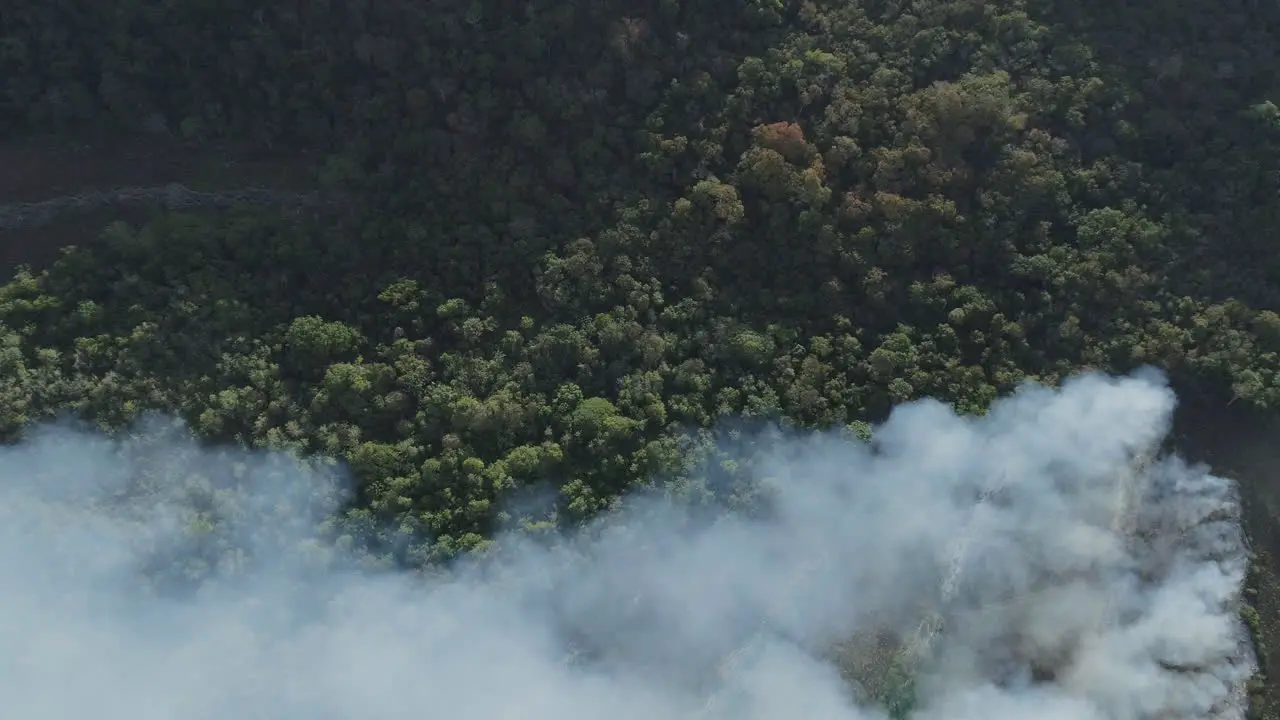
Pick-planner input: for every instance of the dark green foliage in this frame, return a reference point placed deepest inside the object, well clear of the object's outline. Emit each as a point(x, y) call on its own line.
point(584, 233)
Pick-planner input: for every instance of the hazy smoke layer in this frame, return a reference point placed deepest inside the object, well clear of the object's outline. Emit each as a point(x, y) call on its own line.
point(1068, 585)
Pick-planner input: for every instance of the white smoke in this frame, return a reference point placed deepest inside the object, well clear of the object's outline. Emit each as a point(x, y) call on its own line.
point(1070, 575)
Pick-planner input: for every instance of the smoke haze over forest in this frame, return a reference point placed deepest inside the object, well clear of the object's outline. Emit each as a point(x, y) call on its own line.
point(430, 352)
point(129, 595)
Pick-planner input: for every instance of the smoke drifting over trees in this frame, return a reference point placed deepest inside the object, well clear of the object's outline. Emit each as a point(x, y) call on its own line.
point(1075, 576)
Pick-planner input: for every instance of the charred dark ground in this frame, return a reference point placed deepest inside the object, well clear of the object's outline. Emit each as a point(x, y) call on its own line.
point(1244, 444)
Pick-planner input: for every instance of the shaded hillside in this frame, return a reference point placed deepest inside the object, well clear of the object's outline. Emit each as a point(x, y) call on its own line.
point(56, 192)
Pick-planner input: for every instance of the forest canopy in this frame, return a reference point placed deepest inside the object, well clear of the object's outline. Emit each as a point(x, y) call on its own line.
point(578, 240)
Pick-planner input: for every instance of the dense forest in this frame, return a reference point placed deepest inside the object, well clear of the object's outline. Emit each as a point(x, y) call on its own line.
point(566, 242)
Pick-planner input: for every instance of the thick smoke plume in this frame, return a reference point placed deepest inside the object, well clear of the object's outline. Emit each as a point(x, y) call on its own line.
point(1042, 561)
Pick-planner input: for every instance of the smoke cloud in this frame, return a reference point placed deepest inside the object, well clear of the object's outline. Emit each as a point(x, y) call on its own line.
point(1041, 561)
